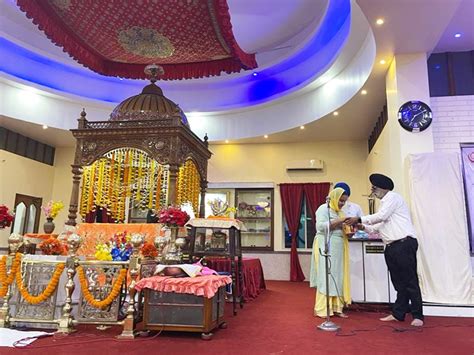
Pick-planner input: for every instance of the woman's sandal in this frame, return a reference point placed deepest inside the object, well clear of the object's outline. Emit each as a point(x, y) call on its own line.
point(341, 315)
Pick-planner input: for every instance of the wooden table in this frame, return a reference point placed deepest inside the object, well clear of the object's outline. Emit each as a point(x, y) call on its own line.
point(189, 304)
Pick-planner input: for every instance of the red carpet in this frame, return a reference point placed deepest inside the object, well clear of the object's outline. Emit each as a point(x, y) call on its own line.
point(279, 321)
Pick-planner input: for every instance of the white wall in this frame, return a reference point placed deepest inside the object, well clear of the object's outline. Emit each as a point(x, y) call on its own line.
point(453, 122)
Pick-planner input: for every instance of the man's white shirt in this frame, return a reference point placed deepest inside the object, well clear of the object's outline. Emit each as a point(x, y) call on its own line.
point(392, 221)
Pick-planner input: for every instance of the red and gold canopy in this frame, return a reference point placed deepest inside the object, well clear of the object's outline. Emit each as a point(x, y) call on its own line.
point(189, 38)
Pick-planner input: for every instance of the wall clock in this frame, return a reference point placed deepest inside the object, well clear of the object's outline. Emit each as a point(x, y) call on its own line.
point(415, 116)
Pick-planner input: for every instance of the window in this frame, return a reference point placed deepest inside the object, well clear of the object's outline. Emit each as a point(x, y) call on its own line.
point(306, 229)
point(27, 214)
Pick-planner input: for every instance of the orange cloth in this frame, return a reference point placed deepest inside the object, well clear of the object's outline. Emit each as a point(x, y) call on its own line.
point(40, 236)
point(97, 233)
point(205, 286)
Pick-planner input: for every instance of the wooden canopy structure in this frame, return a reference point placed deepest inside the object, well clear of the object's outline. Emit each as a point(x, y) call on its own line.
point(148, 122)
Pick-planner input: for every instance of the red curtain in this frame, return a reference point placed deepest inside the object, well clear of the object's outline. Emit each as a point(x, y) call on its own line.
point(315, 196)
point(291, 198)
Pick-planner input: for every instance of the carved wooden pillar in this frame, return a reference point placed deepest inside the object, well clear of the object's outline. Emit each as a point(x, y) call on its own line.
point(202, 205)
point(173, 176)
point(73, 204)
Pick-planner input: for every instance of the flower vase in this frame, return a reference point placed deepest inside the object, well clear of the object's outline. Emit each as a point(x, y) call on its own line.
point(174, 234)
point(48, 226)
point(172, 255)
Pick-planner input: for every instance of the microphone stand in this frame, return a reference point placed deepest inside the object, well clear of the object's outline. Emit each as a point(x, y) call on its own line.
point(328, 325)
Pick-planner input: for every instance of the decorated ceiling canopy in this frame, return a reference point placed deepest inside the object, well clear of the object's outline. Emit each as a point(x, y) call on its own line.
point(188, 38)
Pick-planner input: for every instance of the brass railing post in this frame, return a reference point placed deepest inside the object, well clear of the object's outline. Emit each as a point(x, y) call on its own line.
point(14, 241)
point(134, 269)
point(66, 321)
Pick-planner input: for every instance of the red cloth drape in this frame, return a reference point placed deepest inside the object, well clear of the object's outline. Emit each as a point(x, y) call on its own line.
point(291, 198)
point(315, 196)
point(119, 38)
point(99, 216)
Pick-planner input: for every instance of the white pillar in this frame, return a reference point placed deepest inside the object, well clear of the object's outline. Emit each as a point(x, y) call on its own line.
point(406, 80)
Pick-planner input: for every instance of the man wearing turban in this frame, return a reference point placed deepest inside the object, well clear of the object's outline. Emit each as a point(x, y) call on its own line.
point(396, 229)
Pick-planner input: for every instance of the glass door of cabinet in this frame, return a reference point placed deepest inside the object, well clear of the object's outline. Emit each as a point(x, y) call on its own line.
point(255, 209)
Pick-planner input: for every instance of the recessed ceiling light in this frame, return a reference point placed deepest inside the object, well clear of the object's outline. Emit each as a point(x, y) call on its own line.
point(45, 127)
point(380, 21)
point(382, 61)
point(265, 136)
point(254, 74)
point(363, 92)
point(457, 35)
point(335, 113)
point(227, 141)
point(301, 127)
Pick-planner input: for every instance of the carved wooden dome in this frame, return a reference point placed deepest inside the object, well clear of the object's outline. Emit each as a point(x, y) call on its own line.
point(151, 104)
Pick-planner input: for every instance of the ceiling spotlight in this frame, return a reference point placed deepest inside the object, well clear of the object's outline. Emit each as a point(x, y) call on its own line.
point(45, 127)
point(254, 74)
point(457, 35)
point(382, 61)
point(380, 21)
point(363, 92)
point(301, 127)
point(265, 136)
point(335, 113)
point(227, 141)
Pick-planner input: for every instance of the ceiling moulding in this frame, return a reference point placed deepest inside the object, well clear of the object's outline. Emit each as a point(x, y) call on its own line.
point(119, 38)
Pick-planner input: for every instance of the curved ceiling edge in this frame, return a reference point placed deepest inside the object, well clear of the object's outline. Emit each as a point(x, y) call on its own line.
point(273, 82)
point(62, 111)
point(300, 109)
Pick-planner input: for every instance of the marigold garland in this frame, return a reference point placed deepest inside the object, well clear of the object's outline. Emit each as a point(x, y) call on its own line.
point(112, 295)
point(5, 278)
point(121, 173)
point(188, 184)
point(47, 292)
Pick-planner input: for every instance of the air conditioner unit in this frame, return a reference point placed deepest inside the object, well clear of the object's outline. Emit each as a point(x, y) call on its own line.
point(309, 164)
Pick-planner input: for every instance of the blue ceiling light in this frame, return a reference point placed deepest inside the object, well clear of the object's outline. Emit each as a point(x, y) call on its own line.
point(301, 68)
point(287, 76)
point(38, 69)
point(457, 35)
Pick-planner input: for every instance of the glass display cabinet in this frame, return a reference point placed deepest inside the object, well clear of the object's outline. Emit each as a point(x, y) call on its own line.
point(220, 237)
point(255, 210)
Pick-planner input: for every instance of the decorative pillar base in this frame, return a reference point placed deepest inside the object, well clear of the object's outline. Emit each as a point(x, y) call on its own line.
point(4, 318)
point(66, 326)
point(128, 331)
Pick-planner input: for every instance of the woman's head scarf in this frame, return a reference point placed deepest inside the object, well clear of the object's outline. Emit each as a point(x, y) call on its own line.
point(334, 197)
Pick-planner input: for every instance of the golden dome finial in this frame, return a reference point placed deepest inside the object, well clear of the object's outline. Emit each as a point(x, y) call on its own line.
point(154, 70)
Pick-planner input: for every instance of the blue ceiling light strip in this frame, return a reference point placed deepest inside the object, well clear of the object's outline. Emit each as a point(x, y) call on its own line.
point(281, 79)
point(38, 69)
point(317, 55)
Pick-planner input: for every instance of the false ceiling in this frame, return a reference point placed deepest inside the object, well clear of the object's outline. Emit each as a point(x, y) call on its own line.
point(314, 57)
